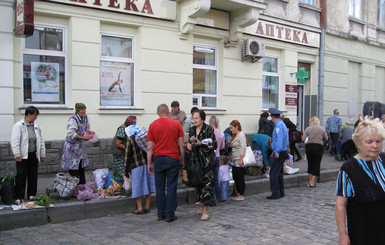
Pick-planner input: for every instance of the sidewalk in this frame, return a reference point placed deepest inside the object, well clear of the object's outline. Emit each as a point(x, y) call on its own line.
point(71, 209)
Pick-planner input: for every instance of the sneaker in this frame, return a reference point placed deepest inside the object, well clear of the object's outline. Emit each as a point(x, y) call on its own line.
point(17, 201)
point(31, 198)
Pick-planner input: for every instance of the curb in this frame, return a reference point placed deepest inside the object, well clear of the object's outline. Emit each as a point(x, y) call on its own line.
point(75, 210)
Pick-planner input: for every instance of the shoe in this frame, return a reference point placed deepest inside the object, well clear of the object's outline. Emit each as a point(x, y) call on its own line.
point(160, 218)
point(205, 217)
point(238, 199)
point(198, 204)
point(31, 198)
point(273, 197)
point(311, 186)
point(146, 210)
point(17, 201)
point(172, 219)
point(139, 212)
point(185, 182)
point(199, 212)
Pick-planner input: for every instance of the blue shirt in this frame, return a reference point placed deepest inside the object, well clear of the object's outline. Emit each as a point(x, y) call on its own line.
point(374, 169)
point(280, 137)
point(261, 142)
point(333, 124)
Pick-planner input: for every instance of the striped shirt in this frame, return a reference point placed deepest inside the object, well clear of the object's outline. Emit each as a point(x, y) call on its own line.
point(374, 169)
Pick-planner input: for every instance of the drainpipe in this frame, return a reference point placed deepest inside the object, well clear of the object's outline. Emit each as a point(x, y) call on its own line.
point(321, 66)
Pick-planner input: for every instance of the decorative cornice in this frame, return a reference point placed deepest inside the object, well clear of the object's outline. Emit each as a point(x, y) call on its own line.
point(189, 11)
point(239, 20)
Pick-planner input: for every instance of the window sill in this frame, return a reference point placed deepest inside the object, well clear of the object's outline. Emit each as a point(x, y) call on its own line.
point(311, 7)
point(214, 111)
point(121, 110)
point(49, 110)
point(380, 28)
point(357, 21)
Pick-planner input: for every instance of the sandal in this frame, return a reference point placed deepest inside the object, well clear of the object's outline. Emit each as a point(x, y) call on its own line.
point(311, 186)
point(146, 210)
point(199, 212)
point(205, 217)
point(139, 212)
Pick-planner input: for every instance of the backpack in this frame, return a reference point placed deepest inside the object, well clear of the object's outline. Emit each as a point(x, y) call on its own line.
point(141, 139)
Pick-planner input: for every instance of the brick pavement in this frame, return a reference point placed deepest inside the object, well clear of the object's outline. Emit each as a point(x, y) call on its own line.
point(304, 216)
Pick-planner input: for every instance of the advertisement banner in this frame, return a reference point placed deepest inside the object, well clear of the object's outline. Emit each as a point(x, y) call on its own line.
point(45, 82)
point(115, 84)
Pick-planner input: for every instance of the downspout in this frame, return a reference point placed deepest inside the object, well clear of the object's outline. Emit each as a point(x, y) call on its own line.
point(321, 65)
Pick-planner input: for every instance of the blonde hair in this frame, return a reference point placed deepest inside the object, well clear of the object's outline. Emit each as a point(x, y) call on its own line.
point(368, 128)
point(314, 121)
point(214, 122)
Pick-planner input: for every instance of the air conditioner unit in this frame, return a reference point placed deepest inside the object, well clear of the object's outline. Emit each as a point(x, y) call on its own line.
point(252, 50)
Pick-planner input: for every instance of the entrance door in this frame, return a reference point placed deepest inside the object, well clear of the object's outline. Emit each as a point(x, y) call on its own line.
point(307, 103)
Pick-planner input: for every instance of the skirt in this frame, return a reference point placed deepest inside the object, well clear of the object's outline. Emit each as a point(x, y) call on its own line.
point(142, 182)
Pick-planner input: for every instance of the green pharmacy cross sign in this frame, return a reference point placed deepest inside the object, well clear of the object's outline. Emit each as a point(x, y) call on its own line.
point(302, 75)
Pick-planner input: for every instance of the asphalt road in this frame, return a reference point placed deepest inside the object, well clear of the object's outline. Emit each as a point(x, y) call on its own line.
point(304, 216)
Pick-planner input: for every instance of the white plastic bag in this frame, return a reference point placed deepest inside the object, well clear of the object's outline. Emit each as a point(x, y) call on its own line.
point(249, 158)
point(127, 183)
point(100, 177)
point(290, 170)
point(258, 158)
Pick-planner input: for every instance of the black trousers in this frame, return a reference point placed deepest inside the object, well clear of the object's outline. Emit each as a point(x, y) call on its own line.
point(276, 174)
point(239, 179)
point(79, 173)
point(26, 170)
point(293, 149)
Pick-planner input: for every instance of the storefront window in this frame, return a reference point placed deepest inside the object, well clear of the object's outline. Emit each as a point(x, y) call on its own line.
point(204, 77)
point(355, 8)
point(116, 71)
point(44, 62)
point(270, 83)
point(381, 13)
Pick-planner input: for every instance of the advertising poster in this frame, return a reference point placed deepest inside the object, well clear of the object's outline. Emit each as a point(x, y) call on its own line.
point(45, 82)
point(115, 84)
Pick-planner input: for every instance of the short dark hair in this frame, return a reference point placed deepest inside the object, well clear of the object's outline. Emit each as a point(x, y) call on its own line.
point(31, 110)
point(194, 109)
point(265, 114)
point(202, 114)
point(175, 104)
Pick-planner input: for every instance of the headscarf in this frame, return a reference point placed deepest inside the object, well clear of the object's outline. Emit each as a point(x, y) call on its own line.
point(79, 107)
point(130, 120)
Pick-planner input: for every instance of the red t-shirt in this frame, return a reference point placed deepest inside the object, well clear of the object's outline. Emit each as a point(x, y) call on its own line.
point(164, 132)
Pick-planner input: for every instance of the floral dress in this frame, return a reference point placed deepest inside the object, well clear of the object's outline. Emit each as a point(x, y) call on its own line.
point(207, 159)
point(74, 149)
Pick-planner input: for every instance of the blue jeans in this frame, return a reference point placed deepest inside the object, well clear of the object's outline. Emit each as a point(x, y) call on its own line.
point(224, 190)
point(166, 170)
point(334, 140)
point(216, 185)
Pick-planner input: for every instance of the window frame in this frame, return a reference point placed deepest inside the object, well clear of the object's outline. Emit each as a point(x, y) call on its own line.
point(206, 67)
point(309, 2)
point(63, 53)
point(381, 14)
point(131, 60)
point(355, 3)
point(272, 74)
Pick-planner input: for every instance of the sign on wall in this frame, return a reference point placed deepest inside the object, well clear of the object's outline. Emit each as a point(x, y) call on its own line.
point(163, 9)
point(284, 33)
point(291, 100)
point(24, 23)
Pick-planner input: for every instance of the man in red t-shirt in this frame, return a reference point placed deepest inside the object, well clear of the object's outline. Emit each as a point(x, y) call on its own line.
point(166, 142)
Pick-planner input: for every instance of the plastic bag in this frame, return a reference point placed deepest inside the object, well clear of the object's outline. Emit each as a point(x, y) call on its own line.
point(258, 158)
point(92, 134)
point(7, 190)
point(84, 193)
point(290, 170)
point(65, 185)
point(249, 158)
point(100, 177)
point(127, 183)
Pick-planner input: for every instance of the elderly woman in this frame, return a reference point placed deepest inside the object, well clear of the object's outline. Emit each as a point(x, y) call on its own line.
point(203, 143)
point(28, 148)
point(118, 144)
point(360, 188)
point(220, 136)
point(238, 145)
point(143, 183)
point(74, 156)
point(316, 136)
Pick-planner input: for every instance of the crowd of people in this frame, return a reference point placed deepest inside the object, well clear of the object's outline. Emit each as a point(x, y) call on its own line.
point(174, 141)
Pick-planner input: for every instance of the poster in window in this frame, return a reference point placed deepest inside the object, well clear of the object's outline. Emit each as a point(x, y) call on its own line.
point(45, 82)
point(115, 84)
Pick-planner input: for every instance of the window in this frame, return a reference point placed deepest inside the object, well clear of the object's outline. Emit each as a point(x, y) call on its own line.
point(117, 71)
point(270, 82)
point(381, 13)
point(310, 2)
point(44, 65)
point(205, 77)
point(355, 8)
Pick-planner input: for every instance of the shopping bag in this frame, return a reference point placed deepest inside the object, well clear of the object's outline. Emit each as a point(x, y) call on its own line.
point(141, 139)
point(258, 158)
point(194, 171)
point(249, 158)
point(65, 185)
point(127, 183)
point(100, 177)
